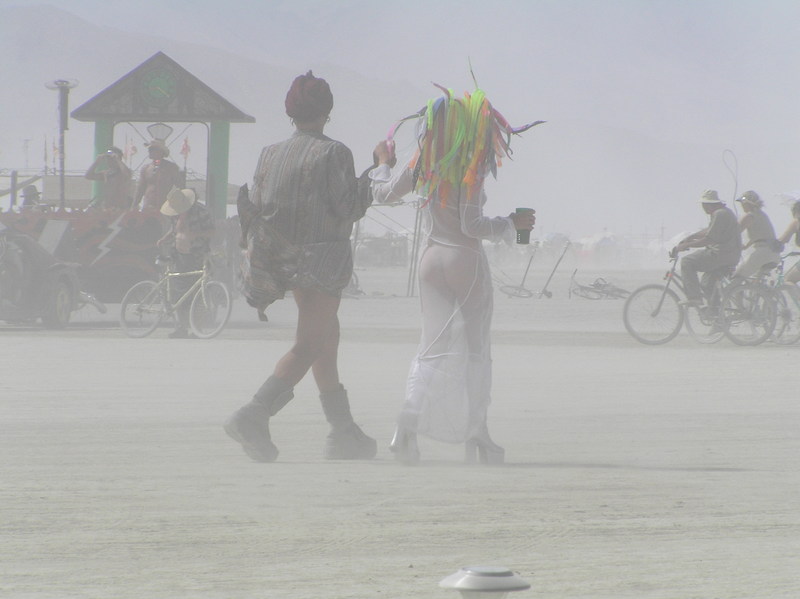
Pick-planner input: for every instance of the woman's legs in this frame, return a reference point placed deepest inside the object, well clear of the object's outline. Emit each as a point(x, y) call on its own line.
point(454, 284)
point(316, 341)
point(316, 347)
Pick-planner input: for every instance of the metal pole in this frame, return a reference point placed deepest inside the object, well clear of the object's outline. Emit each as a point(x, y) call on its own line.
point(63, 86)
point(13, 190)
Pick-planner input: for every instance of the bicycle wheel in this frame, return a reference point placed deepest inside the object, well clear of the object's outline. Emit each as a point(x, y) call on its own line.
point(652, 314)
point(705, 324)
point(514, 291)
point(787, 324)
point(750, 313)
point(142, 309)
point(210, 310)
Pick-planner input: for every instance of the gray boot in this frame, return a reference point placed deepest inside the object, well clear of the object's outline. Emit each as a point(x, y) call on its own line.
point(346, 441)
point(249, 425)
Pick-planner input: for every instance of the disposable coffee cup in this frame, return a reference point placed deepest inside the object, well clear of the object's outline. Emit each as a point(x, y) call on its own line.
point(523, 235)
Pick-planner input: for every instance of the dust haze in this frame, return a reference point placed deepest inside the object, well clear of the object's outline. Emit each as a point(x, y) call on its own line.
point(631, 471)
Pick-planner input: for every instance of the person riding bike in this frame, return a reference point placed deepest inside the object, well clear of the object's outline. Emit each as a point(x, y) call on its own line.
point(721, 248)
point(187, 243)
point(761, 237)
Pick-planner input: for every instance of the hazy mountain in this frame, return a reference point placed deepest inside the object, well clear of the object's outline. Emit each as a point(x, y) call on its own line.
point(640, 99)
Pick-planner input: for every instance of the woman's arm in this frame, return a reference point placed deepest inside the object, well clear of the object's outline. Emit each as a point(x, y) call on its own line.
point(389, 187)
point(342, 185)
point(475, 224)
point(790, 230)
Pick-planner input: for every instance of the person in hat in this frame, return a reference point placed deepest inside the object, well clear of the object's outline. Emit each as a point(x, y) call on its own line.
point(30, 197)
point(296, 227)
point(721, 248)
point(792, 230)
point(157, 178)
point(187, 244)
point(110, 170)
point(760, 236)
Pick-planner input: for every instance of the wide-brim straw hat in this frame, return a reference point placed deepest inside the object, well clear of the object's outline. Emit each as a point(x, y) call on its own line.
point(710, 196)
point(178, 201)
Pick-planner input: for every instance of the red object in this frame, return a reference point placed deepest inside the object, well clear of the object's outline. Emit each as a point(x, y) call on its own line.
point(308, 98)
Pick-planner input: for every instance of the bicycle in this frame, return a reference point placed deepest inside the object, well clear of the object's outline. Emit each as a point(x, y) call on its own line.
point(600, 289)
point(743, 311)
point(147, 303)
point(787, 297)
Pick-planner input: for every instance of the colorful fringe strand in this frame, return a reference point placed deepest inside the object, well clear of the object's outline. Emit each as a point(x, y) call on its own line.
point(460, 141)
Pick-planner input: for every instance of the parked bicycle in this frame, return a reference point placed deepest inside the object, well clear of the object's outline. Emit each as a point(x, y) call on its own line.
point(745, 311)
point(599, 289)
point(147, 303)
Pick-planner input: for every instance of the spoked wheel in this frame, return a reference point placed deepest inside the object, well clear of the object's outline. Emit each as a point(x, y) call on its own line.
point(652, 315)
point(750, 313)
point(142, 309)
point(210, 310)
point(705, 324)
point(787, 324)
point(515, 291)
point(58, 307)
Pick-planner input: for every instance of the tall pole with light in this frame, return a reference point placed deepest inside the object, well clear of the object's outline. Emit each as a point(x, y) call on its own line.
point(63, 86)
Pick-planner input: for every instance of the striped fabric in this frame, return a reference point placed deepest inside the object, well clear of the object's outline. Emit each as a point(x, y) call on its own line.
point(299, 217)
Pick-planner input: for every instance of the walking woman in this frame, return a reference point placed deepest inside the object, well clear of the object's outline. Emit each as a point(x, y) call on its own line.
point(296, 227)
point(460, 140)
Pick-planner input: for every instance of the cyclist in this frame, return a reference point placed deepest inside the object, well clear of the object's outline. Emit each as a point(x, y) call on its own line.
point(760, 235)
point(793, 230)
point(721, 248)
point(187, 244)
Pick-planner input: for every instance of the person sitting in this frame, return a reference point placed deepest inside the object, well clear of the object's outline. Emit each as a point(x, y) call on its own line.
point(760, 235)
point(31, 198)
point(721, 248)
point(187, 244)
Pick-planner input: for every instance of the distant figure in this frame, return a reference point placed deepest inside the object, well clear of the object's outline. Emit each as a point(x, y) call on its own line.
point(157, 178)
point(448, 392)
point(297, 229)
point(31, 197)
point(115, 178)
point(793, 230)
point(187, 244)
point(760, 236)
point(721, 244)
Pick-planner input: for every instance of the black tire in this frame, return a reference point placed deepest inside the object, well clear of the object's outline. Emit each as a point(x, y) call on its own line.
point(750, 312)
point(58, 306)
point(705, 324)
point(787, 325)
point(651, 320)
point(210, 310)
point(142, 309)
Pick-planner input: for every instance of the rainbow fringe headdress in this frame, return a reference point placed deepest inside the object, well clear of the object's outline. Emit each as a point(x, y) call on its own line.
point(460, 141)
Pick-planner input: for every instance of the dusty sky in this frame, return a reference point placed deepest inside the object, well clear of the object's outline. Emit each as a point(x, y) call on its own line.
point(642, 97)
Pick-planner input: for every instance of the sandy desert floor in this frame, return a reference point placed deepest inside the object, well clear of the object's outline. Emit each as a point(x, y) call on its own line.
point(631, 471)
